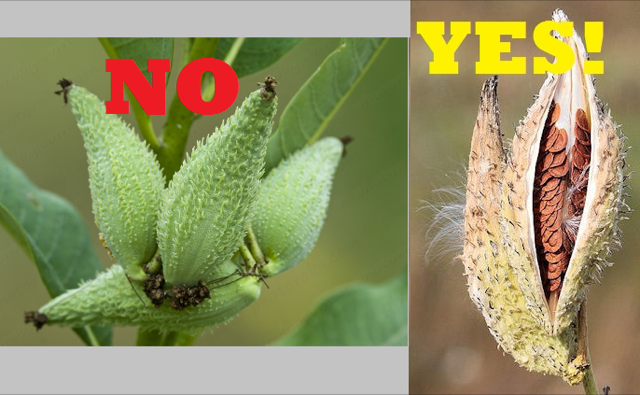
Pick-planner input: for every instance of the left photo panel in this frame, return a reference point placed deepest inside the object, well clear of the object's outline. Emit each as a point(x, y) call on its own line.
point(204, 191)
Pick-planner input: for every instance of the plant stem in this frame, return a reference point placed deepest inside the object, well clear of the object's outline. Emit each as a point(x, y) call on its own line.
point(589, 380)
point(233, 51)
point(255, 247)
point(92, 336)
point(187, 340)
point(210, 90)
point(174, 140)
point(180, 118)
point(154, 264)
point(246, 254)
point(144, 122)
point(170, 338)
point(149, 338)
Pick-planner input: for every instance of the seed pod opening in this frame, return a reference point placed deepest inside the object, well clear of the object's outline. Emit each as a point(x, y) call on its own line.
point(572, 180)
point(125, 180)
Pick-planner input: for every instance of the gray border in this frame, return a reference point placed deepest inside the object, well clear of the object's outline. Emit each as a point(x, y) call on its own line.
point(205, 19)
point(234, 370)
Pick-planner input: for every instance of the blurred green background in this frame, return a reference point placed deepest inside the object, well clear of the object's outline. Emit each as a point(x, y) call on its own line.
point(365, 234)
point(451, 350)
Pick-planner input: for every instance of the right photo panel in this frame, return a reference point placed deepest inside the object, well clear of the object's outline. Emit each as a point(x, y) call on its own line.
point(524, 274)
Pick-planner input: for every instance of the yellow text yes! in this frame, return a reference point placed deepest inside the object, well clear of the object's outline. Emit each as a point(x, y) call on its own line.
point(492, 45)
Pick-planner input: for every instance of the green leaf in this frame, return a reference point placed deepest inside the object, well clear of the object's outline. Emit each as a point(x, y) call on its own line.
point(140, 50)
point(319, 99)
point(359, 315)
point(248, 55)
point(52, 234)
point(253, 54)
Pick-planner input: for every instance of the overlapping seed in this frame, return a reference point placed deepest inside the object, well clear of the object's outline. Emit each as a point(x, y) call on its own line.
point(558, 172)
point(550, 190)
point(580, 159)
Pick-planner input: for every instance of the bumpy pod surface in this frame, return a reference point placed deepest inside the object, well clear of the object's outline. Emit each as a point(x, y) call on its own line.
point(293, 204)
point(125, 180)
point(209, 204)
point(540, 217)
point(110, 300)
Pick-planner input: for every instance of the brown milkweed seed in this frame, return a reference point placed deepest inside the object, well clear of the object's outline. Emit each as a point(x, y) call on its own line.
point(562, 177)
point(541, 215)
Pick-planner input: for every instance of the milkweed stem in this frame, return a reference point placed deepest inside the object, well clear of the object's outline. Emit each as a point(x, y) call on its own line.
point(589, 380)
point(255, 248)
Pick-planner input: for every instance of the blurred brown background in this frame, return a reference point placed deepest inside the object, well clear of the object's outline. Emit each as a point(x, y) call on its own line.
point(365, 234)
point(451, 350)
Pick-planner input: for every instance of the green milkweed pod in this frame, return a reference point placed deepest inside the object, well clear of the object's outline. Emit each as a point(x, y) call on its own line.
point(293, 204)
point(208, 205)
point(110, 300)
point(125, 180)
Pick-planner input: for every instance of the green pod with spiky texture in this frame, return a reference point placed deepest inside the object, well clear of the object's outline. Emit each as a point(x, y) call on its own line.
point(208, 205)
point(110, 300)
point(293, 204)
point(125, 180)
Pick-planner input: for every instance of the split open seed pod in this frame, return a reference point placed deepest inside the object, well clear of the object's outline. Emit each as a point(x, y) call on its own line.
point(540, 216)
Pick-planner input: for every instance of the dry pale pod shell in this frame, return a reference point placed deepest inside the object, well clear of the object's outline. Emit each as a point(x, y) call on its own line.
point(540, 217)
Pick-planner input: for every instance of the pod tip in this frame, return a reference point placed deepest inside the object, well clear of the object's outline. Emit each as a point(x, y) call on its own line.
point(268, 91)
point(37, 319)
point(65, 84)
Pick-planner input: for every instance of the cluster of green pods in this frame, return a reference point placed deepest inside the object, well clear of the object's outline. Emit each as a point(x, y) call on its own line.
point(196, 225)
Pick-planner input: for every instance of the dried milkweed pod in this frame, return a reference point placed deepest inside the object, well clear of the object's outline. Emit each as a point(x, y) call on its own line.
point(540, 217)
